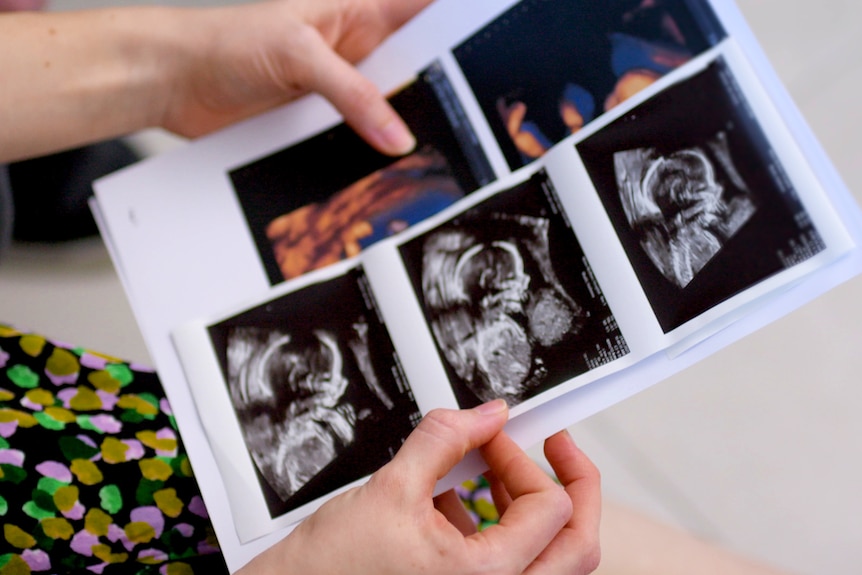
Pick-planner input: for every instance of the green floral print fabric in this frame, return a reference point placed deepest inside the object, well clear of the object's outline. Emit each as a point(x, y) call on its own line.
point(93, 476)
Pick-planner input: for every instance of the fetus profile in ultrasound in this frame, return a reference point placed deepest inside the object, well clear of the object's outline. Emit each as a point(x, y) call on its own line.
point(289, 391)
point(680, 207)
point(495, 303)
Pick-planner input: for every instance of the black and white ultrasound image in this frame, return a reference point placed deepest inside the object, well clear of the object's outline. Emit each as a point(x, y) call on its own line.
point(316, 388)
point(510, 298)
point(683, 206)
point(700, 201)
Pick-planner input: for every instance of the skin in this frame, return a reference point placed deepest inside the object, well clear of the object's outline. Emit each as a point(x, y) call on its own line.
point(72, 78)
point(545, 528)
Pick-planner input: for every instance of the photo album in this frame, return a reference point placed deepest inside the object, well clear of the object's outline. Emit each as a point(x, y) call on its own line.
point(603, 192)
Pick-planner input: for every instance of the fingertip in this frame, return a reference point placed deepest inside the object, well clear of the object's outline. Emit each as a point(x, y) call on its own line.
point(560, 441)
point(393, 138)
point(493, 407)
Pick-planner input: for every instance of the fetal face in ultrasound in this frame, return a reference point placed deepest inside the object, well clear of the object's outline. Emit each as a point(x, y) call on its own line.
point(312, 376)
point(680, 209)
point(510, 298)
point(497, 303)
point(291, 397)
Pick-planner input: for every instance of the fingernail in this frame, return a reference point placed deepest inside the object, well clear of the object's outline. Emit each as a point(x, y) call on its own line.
point(395, 138)
point(492, 407)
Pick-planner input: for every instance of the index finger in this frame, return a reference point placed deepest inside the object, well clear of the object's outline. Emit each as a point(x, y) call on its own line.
point(438, 443)
point(358, 100)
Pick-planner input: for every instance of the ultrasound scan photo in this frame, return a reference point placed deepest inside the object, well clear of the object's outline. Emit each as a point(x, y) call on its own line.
point(290, 394)
point(498, 303)
point(680, 209)
point(698, 196)
point(503, 289)
point(314, 382)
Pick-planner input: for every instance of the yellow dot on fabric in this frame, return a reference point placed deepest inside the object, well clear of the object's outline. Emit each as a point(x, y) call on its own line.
point(66, 497)
point(103, 552)
point(186, 467)
point(149, 439)
point(109, 358)
point(6, 395)
point(168, 502)
point(40, 397)
point(85, 400)
point(211, 538)
point(104, 381)
point(97, 522)
point(179, 569)
point(86, 471)
point(137, 403)
point(32, 345)
point(57, 528)
point(17, 537)
point(114, 450)
point(62, 362)
point(15, 566)
point(61, 414)
point(486, 510)
point(155, 469)
point(140, 532)
point(24, 419)
point(7, 331)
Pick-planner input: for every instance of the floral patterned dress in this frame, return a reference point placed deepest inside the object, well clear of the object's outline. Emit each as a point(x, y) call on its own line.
point(93, 475)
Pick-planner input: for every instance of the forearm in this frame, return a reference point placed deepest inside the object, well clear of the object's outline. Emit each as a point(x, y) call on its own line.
point(73, 78)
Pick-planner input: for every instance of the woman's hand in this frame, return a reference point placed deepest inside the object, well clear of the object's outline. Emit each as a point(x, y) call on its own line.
point(391, 524)
point(73, 78)
point(253, 57)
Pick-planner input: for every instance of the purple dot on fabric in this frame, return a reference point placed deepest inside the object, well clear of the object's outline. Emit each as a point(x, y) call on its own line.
point(165, 406)
point(109, 400)
point(62, 344)
point(4, 358)
point(184, 529)
point(38, 560)
point(159, 556)
point(204, 548)
point(82, 543)
point(97, 569)
point(116, 533)
point(76, 512)
point(59, 380)
point(151, 515)
point(106, 423)
point(196, 506)
point(55, 470)
point(94, 362)
point(87, 440)
point(141, 368)
point(8, 428)
point(12, 457)
point(66, 394)
point(135, 451)
point(25, 402)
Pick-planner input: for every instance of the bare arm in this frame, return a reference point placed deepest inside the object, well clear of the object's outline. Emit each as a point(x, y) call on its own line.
point(77, 77)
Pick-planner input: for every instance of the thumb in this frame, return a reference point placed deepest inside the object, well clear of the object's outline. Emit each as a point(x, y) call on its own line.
point(441, 440)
